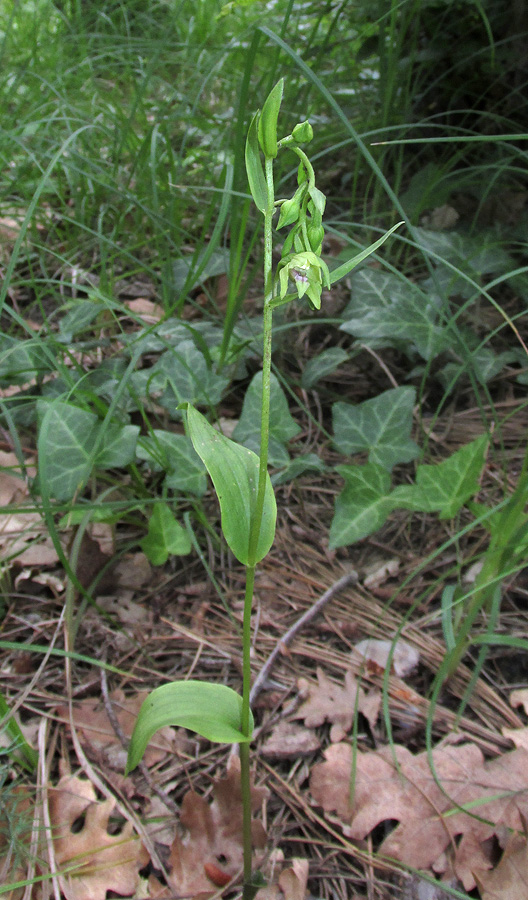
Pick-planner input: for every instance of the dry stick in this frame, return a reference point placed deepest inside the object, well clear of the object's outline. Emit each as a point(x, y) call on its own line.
point(351, 578)
point(164, 797)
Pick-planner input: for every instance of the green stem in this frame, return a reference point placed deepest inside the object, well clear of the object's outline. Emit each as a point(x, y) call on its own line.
point(245, 783)
point(256, 522)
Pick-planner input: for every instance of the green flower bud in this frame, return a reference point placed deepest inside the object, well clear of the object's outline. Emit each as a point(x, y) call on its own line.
point(315, 236)
point(303, 133)
point(289, 212)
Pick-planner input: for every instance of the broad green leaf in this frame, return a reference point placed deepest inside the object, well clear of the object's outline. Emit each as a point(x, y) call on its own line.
point(381, 425)
point(212, 710)
point(363, 505)
point(165, 536)
point(346, 267)
point(278, 456)
point(118, 446)
point(79, 317)
point(66, 440)
point(445, 488)
point(203, 267)
point(385, 306)
point(483, 362)
point(185, 376)
point(298, 466)
point(174, 454)
point(322, 365)
point(20, 361)
point(479, 255)
point(255, 172)
point(267, 123)
point(283, 426)
point(234, 472)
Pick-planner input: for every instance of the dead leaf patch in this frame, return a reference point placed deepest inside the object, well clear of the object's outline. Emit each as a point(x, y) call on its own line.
point(376, 655)
point(210, 853)
point(509, 880)
point(327, 702)
point(287, 740)
point(428, 815)
point(92, 860)
point(520, 698)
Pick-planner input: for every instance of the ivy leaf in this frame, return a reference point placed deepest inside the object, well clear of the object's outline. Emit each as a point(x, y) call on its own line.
point(186, 377)
point(362, 506)
point(445, 487)
point(118, 446)
point(67, 436)
point(385, 306)
point(283, 426)
point(321, 365)
point(174, 454)
point(381, 425)
point(165, 536)
point(212, 710)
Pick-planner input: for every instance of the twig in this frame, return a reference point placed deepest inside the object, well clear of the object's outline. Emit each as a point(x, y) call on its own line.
point(169, 803)
point(306, 617)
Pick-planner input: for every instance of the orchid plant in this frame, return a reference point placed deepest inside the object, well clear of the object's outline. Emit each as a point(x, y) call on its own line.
point(240, 477)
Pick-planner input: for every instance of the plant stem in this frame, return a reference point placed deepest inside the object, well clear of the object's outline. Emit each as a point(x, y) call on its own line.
point(245, 784)
point(256, 522)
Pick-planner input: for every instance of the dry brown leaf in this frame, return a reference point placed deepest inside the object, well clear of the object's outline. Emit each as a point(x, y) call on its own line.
point(520, 698)
point(327, 702)
point(98, 861)
point(509, 880)
point(293, 881)
point(146, 310)
point(412, 797)
point(21, 532)
point(95, 729)
point(378, 571)
point(376, 654)
point(441, 217)
point(287, 740)
point(210, 854)
point(518, 736)
point(133, 571)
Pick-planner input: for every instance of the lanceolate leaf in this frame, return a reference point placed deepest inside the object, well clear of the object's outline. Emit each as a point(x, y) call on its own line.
point(255, 172)
point(350, 264)
point(267, 125)
point(234, 471)
point(212, 710)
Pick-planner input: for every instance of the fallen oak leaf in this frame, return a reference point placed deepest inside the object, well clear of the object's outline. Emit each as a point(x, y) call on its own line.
point(289, 740)
point(520, 698)
point(93, 860)
point(509, 879)
point(430, 818)
point(327, 702)
point(210, 853)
